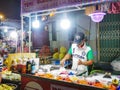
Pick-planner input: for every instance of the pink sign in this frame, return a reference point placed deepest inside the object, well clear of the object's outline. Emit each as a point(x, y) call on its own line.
point(28, 6)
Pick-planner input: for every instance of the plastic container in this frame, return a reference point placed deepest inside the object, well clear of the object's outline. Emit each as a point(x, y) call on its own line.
point(57, 62)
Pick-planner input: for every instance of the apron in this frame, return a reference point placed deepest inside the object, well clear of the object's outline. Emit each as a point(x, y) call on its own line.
point(79, 54)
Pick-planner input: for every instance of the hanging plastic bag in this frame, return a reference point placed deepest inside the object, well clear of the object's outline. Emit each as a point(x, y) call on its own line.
point(116, 64)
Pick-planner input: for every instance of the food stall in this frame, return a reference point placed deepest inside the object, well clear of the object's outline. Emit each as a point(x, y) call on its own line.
point(40, 83)
point(47, 80)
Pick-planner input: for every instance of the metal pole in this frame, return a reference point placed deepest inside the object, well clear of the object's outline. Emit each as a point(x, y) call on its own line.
point(97, 42)
point(29, 34)
point(98, 39)
point(22, 34)
point(16, 40)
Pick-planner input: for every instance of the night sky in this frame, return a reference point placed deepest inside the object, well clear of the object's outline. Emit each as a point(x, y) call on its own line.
point(10, 8)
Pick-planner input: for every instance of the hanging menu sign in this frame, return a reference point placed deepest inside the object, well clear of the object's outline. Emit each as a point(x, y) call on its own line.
point(28, 6)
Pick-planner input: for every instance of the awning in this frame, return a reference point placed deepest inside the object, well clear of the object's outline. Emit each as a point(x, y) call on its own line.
point(44, 6)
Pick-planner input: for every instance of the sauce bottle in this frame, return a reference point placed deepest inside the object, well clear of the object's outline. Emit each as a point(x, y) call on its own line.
point(28, 66)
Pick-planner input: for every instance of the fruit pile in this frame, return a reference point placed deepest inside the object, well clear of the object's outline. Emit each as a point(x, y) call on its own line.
point(60, 54)
point(11, 76)
point(45, 51)
point(7, 87)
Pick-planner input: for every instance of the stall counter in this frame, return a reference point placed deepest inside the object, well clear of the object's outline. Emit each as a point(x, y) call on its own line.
point(30, 82)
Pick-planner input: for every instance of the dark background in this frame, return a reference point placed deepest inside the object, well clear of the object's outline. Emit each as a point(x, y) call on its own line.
point(10, 8)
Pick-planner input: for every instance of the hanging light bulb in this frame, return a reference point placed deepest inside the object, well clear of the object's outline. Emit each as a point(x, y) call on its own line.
point(36, 23)
point(65, 22)
point(13, 34)
point(46, 28)
point(44, 18)
point(6, 29)
point(52, 13)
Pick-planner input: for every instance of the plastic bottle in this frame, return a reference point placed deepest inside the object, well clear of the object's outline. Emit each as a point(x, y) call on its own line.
point(28, 66)
point(24, 66)
point(19, 65)
point(1, 63)
point(0, 70)
point(33, 67)
point(13, 66)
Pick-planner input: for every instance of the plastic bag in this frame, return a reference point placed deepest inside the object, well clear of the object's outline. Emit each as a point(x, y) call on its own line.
point(116, 65)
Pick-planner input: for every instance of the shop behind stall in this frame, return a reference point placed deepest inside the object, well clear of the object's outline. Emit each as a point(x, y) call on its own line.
point(49, 40)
